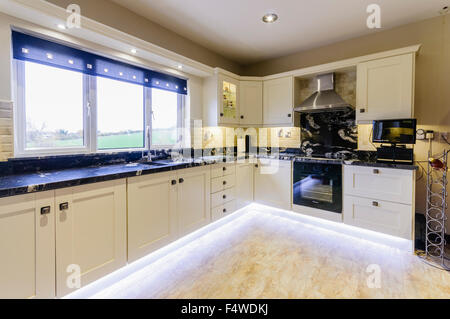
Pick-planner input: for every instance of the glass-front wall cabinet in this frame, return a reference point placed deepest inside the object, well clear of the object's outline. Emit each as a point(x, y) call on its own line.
point(229, 95)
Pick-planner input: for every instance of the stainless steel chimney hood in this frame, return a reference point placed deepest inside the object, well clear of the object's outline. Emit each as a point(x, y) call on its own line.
point(325, 99)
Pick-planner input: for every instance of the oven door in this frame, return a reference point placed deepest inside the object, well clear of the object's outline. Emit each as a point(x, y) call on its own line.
point(318, 186)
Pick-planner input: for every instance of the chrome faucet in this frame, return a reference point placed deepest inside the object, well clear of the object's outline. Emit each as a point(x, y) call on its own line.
point(148, 158)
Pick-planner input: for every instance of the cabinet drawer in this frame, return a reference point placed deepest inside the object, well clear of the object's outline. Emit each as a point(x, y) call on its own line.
point(381, 216)
point(223, 169)
point(222, 197)
point(223, 210)
point(386, 184)
point(221, 183)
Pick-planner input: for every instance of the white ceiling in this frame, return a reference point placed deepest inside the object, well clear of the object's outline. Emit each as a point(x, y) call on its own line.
point(234, 29)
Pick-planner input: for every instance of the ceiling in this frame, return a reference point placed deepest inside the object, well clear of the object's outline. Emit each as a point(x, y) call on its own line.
point(234, 28)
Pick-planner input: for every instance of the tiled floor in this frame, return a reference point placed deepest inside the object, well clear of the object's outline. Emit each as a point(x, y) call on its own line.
point(263, 255)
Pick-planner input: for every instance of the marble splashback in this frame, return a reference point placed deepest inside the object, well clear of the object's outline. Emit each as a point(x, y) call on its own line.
point(329, 134)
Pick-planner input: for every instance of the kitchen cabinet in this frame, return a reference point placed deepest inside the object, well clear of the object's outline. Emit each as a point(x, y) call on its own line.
point(385, 89)
point(221, 94)
point(244, 184)
point(193, 204)
point(380, 199)
point(152, 213)
point(273, 183)
point(27, 246)
point(251, 103)
point(278, 102)
point(91, 222)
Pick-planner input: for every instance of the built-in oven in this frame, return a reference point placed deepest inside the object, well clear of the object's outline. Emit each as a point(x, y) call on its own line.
point(318, 185)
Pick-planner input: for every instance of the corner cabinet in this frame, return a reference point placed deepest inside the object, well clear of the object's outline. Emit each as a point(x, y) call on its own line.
point(251, 103)
point(244, 184)
point(27, 246)
point(91, 228)
point(278, 102)
point(385, 89)
point(273, 183)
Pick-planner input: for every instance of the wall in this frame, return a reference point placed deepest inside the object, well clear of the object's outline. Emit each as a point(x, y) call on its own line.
point(120, 18)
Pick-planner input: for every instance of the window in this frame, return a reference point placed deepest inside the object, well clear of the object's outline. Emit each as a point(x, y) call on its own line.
point(53, 117)
point(120, 114)
point(165, 120)
point(70, 101)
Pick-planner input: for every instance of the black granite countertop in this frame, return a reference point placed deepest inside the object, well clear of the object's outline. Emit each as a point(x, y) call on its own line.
point(19, 184)
point(382, 165)
point(12, 185)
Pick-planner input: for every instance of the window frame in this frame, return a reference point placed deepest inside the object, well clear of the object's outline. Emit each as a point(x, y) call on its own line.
point(90, 120)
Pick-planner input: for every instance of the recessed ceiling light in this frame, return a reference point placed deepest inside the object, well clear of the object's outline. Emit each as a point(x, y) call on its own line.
point(134, 51)
point(61, 26)
point(270, 18)
point(179, 67)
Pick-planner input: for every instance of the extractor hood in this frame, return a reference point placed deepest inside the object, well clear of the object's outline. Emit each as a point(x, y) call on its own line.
point(325, 99)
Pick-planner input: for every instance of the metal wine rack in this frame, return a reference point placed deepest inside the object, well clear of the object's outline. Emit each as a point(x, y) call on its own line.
point(436, 213)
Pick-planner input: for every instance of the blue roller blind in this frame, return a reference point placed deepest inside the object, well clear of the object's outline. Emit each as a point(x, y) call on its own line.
point(30, 48)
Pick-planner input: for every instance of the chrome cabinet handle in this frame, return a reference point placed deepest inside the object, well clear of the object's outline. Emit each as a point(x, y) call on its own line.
point(46, 210)
point(63, 206)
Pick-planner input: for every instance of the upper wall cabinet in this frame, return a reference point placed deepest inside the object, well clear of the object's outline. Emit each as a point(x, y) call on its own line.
point(251, 103)
point(221, 101)
point(278, 102)
point(385, 88)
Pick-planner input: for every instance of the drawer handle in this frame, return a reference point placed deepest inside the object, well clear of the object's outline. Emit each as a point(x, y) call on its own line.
point(221, 114)
point(224, 169)
point(63, 206)
point(362, 110)
point(289, 115)
point(45, 210)
point(174, 182)
point(242, 117)
point(376, 171)
point(224, 210)
point(224, 197)
point(224, 183)
point(375, 204)
point(181, 180)
point(256, 165)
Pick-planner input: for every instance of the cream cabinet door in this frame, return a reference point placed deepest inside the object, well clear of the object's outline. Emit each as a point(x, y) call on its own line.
point(193, 205)
point(27, 246)
point(228, 99)
point(278, 101)
point(381, 216)
point(90, 233)
point(251, 103)
point(385, 89)
point(273, 183)
point(152, 220)
point(244, 185)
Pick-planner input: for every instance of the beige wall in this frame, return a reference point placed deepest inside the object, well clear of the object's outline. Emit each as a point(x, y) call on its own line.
point(120, 18)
